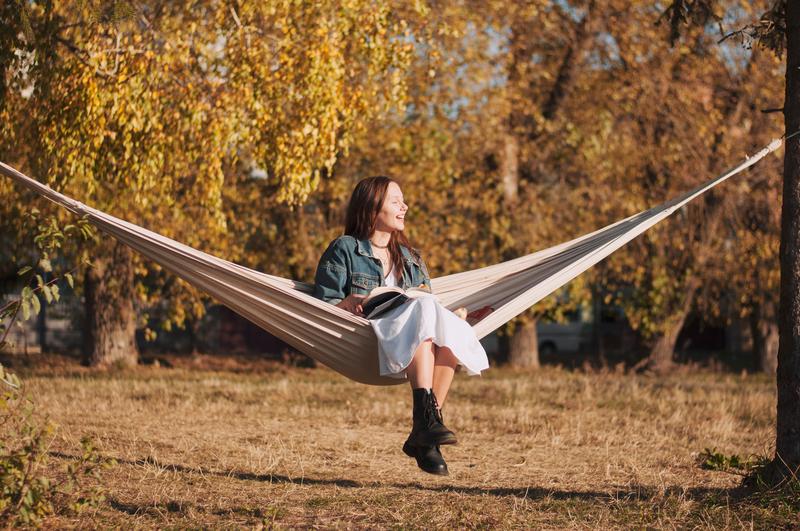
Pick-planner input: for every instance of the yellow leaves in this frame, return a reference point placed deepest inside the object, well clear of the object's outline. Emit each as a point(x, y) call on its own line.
point(310, 130)
point(199, 100)
point(326, 77)
point(421, 8)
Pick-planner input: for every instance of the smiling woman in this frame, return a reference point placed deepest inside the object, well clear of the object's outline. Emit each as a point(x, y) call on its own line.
point(420, 339)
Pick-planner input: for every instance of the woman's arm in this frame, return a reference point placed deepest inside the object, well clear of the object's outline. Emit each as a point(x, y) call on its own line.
point(330, 279)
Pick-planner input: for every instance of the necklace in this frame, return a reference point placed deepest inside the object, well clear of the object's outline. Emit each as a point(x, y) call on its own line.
point(384, 261)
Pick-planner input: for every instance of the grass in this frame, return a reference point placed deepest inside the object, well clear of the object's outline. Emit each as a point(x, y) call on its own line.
point(279, 447)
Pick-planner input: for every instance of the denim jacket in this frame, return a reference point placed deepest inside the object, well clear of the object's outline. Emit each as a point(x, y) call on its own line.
point(348, 267)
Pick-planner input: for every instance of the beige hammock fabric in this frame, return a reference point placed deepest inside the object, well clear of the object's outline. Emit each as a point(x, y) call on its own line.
point(345, 342)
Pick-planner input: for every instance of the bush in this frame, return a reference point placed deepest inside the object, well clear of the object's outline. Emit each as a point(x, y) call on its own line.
point(29, 488)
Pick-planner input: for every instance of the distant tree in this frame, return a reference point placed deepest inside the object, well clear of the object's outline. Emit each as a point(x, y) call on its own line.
point(743, 273)
point(778, 29)
point(541, 72)
point(146, 110)
point(657, 123)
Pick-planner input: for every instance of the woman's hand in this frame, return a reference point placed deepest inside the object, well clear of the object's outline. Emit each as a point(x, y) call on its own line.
point(352, 303)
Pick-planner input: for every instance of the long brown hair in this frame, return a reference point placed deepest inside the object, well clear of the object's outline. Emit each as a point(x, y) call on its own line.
point(362, 217)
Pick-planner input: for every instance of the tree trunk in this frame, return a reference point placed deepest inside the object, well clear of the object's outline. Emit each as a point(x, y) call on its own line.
point(109, 338)
point(509, 169)
point(764, 330)
point(661, 355)
point(524, 346)
point(787, 444)
point(581, 39)
point(41, 325)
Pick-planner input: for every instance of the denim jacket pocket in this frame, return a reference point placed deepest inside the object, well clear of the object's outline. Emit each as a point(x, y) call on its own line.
point(362, 283)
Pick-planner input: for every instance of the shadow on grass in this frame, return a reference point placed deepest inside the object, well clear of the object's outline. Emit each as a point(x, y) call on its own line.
point(235, 474)
point(183, 508)
point(632, 493)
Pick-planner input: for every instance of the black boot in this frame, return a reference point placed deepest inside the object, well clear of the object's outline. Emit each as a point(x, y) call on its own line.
point(428, 429)
point(429, 458)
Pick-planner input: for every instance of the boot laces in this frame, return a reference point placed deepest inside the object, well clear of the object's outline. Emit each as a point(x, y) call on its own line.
point(435, 402)
point(432, 413)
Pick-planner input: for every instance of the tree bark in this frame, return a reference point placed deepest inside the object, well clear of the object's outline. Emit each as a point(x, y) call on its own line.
point(509, 148)
point(41, 325)
point(660, 359)
point(522, 351)
point(509, 169)
point(661, 355)
point(569, 64)
point(109, 338)
point(524, 346)
point(787, 444)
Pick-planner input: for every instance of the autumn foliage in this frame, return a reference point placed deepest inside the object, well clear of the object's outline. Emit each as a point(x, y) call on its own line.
point(240, 128)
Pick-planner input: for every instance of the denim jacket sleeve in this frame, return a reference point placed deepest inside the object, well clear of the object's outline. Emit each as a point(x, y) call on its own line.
point(426, 277)
point(331, 278)
point(427, 280)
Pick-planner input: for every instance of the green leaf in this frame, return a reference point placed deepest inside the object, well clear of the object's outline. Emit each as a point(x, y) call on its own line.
point(44, 263)
point(26, 310)
point(37, 305)
point(47, 294)
point(56, 293)
point(68, 276)
point(39, 281)
point(24, 270)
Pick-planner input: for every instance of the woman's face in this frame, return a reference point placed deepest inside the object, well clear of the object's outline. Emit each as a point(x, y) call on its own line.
point(393, 211)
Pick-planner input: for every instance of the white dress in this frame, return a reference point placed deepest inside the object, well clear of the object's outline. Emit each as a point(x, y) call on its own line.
point(401, 330)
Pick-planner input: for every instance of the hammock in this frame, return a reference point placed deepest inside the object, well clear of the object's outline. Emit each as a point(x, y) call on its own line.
point(345, 342)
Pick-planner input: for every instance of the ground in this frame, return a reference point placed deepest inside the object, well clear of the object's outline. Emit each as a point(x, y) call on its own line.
point(251, 445)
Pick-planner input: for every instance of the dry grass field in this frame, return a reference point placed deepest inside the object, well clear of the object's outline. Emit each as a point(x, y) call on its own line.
point(276, 447)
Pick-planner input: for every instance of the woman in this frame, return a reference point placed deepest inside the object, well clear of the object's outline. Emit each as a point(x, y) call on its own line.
point(420, 340)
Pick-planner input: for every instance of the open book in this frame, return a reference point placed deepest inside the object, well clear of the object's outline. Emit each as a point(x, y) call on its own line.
point(382, 299)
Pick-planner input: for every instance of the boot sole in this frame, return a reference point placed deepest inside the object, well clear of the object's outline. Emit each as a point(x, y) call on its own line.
point(447, 438)
point(409, 451)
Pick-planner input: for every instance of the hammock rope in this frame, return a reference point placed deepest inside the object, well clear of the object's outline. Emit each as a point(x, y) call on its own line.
point(345, 342)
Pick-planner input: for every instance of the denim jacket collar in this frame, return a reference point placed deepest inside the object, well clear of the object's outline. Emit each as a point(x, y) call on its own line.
point(364, 248)
point(348, 267)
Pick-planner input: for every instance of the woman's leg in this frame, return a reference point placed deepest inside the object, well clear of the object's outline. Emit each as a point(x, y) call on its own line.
point(443, 371)
point(420, 370)
point(428, 431)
